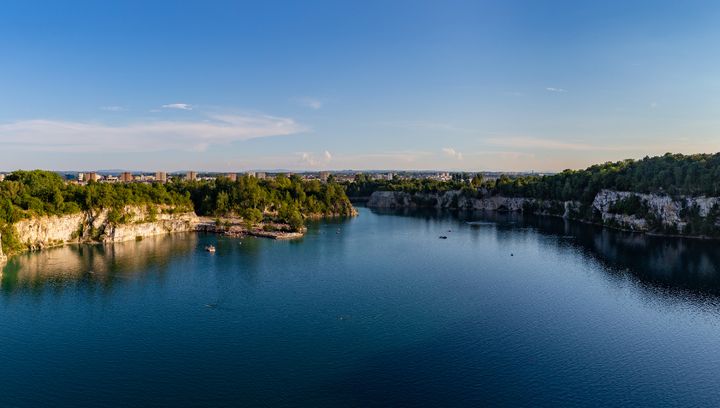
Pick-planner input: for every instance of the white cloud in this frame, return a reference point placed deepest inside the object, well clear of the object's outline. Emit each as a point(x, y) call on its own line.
point(308, 159)
point(653, 105)
point(551, 89)
point(312, 103)
point(214, 129)
point(112, 108)
point(450, 152)
point(181, 106)
point(550, 144)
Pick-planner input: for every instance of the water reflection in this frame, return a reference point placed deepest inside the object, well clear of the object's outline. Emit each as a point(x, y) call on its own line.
point(92, 265)
point(668, 264)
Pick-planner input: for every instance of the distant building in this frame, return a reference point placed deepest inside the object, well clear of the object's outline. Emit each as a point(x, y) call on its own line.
point(126, 177)
point(161, 177)
point(324, 175)
point(111, 179)
point(191, 176)
point(261, 175)
point(91, 176)
point(250, 174)
point(2, 177)
point(231, 176)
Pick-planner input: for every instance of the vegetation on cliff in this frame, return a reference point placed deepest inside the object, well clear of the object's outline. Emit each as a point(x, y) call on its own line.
point(674, 175)
point(26, 194)
point(288, 200)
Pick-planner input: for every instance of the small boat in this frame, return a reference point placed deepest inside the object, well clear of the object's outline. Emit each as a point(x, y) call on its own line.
point(210, 248)
point(442, 237)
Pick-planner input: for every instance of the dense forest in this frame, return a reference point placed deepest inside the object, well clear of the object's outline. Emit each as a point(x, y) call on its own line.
point(287, 199)
point(290, 200)
point(672, 174)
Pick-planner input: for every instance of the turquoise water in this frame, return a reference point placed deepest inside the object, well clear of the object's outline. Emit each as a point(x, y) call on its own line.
point(370, 311)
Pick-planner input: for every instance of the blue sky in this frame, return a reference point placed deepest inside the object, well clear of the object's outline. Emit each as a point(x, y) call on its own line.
point(456, 85)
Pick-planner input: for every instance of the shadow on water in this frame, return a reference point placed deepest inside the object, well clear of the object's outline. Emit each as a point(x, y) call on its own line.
point(662, 264)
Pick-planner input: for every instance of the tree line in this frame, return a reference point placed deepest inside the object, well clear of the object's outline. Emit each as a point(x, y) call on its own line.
point(672, 174)
point(290, 200)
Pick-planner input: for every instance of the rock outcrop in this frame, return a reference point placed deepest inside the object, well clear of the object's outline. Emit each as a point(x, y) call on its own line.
point(455, 199)
point(137, 222)
point(665, 209)
point(660, 213)
point(3, 258)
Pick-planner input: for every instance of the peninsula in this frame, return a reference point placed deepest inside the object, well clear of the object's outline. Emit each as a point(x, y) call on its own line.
point(39, 209)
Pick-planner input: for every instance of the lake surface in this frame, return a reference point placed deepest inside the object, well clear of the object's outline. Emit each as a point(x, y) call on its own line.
point(370, 311)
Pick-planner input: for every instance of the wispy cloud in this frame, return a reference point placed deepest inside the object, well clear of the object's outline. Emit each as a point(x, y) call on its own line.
point(213, 129)
point(112, 108)
point(180, 106)
point(328, 156)
point(309, 102)
point(550, 144)
point(450, 152)
point(551, 89)
point(423, 125)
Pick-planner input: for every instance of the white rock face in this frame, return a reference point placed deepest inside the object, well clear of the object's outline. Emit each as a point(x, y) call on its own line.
point(3, 258)
point(41, 232)
point(664, 207)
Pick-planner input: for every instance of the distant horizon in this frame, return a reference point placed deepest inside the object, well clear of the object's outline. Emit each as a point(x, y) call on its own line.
point(276, 171)
point(348, 170)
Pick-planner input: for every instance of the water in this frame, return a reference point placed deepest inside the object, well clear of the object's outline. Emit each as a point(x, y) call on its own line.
point(509, 311)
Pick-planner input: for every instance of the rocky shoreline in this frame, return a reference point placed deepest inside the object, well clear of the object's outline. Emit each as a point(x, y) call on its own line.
point(663, 215)
point(39, 233)
point(235, 228)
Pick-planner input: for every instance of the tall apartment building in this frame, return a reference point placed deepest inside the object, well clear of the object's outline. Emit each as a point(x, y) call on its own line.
point(191, 175)
point(126, 177)
point(161, 177)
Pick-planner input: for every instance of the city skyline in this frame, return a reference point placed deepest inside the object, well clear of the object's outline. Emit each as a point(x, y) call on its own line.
point(457, 86)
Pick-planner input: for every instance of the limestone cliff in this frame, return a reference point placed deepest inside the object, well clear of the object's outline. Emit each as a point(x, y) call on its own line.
point(669, 212)
point(455, 199)
point(659, 213)
point(136, 222)
point(3, 258)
